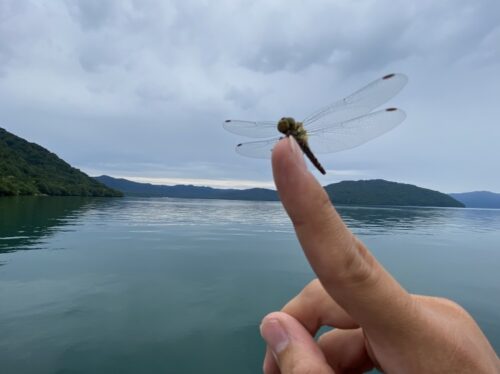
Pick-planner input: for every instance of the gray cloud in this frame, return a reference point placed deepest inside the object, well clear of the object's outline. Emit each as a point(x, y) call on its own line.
point(141, 87)
point(244, 97)
point(370, 36)
point(92, 14)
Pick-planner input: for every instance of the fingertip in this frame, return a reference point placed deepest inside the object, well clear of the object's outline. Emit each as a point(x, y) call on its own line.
point(291, 345)
point(288, 161)
point(279, 149)
point(272, 315)
point(270, 366)
point(279, 158)
point(298, 189)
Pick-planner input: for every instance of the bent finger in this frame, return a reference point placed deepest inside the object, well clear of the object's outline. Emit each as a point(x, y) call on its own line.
point(345, 351)
point(313, 307)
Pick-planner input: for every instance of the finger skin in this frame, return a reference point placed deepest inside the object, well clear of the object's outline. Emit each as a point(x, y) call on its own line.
point(346, 269)
point(270, 366)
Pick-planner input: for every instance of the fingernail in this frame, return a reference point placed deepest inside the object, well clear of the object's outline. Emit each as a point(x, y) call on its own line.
point(275, 335)
point(297, 152)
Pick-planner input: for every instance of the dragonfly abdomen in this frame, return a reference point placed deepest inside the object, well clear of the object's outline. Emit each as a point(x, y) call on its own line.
point(307, 151)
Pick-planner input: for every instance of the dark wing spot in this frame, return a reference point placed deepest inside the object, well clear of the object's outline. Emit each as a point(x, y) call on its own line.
point(388, 76)
point(391, 109)
point(239, 145)
point(228, 120)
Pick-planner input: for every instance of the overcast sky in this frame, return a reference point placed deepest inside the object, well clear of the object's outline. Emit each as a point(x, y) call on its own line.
point(140, 88)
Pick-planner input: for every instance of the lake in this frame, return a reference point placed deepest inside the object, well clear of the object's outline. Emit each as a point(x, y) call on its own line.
point(150, 285)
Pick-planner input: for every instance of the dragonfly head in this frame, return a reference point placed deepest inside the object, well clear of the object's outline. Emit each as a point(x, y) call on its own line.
point(286, 125)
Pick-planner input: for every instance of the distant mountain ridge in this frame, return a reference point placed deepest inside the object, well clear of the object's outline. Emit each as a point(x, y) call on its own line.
point(478, 199)
point(364, 192)
point(131, 188)
point(29, 169)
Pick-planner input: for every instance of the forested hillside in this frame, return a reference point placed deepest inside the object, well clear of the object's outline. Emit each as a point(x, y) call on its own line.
point(29, 169)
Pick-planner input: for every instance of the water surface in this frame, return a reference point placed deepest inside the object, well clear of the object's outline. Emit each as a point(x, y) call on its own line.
point(179, 286)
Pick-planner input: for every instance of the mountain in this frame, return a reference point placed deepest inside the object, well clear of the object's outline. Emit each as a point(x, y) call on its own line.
point(382, 192)
point(478, 199)
point(370, 192)
point(186, 191)
point(29, 169)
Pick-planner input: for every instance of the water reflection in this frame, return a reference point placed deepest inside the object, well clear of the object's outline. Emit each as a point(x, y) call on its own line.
point(26, 221)
point(152, 214)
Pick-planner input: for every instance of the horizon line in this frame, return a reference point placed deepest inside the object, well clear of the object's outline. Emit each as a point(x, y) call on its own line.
point(242, 184)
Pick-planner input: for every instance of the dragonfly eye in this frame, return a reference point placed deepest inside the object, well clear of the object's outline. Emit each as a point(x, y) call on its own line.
point(283, 125)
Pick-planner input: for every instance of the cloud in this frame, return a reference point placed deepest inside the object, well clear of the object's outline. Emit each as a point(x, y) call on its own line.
point(245, 97)
point(131, 84)
point(215, 183)
point(92, 14)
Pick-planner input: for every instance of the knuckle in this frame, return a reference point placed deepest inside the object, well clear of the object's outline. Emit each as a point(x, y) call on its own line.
point(327, 216)
point(460, 312)
point(359, 265)
point(453, 307)
point(325, 204)
point(323, 212)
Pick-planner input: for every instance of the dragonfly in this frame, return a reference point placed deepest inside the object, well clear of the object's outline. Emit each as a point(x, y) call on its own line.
point(344, 124)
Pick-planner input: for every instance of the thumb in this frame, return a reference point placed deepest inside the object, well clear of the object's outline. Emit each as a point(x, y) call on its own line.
point(293, 348)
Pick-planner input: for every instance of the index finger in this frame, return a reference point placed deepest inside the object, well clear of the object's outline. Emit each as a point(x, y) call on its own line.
point(344, 266)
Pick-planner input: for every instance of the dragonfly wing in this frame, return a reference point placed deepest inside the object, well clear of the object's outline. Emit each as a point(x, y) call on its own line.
point(252, 129)
point(359, 103)
point(350, 134)
point(258, 149)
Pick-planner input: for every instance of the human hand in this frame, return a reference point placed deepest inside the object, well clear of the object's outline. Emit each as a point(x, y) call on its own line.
point(377, 323)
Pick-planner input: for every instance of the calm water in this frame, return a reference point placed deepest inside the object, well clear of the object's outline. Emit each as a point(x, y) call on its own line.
point(179, 286)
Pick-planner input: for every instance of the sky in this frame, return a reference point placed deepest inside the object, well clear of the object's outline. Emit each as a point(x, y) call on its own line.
point(140, 88)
